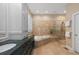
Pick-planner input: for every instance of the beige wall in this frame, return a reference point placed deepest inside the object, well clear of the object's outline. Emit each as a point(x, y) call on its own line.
point(43, 23)
point(71, 9)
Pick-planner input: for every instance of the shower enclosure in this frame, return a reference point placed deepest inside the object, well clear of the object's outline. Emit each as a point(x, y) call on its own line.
point(3, 22)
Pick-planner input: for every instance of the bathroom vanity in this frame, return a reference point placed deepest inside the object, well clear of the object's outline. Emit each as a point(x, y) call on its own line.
point(23, 47)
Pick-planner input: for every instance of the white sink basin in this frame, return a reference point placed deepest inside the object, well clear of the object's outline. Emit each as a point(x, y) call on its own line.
point(6, 47)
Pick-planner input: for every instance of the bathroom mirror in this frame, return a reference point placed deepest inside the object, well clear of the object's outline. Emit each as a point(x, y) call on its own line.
point(3, 22)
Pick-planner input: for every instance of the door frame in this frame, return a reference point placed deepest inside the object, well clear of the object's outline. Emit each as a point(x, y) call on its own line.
point(73, 30)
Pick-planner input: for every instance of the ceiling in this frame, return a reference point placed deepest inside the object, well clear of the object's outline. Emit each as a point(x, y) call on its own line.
point(47, 8)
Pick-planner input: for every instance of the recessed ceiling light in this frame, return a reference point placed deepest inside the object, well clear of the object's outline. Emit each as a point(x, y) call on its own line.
point(64, 11)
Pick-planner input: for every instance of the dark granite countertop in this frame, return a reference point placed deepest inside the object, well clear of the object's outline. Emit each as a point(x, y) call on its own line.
point(17, 42)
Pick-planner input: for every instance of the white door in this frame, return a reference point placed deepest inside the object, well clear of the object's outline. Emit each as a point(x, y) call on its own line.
point(76, 32)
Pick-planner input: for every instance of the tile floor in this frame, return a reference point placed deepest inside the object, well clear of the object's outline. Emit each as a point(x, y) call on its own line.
point(53, 48)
